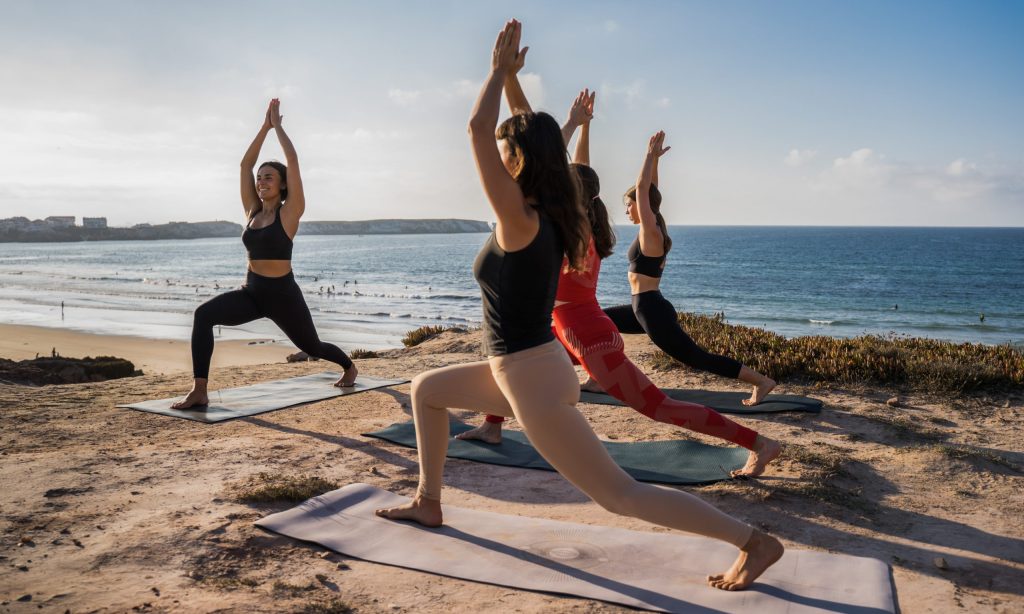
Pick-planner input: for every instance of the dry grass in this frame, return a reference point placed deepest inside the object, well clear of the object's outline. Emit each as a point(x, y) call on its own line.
point(425, 333)
point(271, 488)
point(917, 364)
point(358, 353)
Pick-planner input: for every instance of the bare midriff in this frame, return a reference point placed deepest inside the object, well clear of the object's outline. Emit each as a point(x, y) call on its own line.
point(271, 268)
point(642, 283)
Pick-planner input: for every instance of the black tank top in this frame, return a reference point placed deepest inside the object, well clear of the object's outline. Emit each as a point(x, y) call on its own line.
point(518, 290)
point(268, 243)
point(644, 265)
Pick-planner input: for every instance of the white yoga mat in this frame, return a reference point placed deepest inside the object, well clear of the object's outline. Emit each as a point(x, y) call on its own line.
point(231, 403)
point(654, 571)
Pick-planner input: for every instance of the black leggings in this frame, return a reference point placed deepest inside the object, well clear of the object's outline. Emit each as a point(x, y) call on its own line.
point(651, 313)
point(277, 298)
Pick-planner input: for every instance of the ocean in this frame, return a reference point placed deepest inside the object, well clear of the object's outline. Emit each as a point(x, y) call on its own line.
point(368, 291)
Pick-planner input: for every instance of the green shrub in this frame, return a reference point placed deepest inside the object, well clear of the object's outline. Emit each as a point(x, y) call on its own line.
point(915, 363)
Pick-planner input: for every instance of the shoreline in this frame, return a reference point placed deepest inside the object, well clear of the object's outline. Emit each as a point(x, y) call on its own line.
point(152, 356)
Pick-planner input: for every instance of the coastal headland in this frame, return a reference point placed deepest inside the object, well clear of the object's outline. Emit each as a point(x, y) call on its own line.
point(63, 229)
point(111, 509)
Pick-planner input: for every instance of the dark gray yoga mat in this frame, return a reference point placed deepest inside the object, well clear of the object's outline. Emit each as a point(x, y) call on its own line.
point(232, 403)
point(722, 401)
point(661, 571)
point(664, 462)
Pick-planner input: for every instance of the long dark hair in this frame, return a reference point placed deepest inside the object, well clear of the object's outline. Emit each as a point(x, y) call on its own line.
point(542, 172)
point(282, 170)
point(654, 196)
point(597, 212)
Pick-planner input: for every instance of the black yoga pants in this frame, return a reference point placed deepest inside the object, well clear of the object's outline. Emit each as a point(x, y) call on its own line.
point(651, 313)
point(276, 298)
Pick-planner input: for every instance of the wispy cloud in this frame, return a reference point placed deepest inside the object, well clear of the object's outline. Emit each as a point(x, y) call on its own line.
point(610, 25)
point(799, 157)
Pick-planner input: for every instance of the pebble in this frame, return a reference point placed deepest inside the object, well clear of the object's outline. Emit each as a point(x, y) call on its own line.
point(893, 402)
point(940, 563)
point(343, 566)
point(25, 597)
point(326, 555)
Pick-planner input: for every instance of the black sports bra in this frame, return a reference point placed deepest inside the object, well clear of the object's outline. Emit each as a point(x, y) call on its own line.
point(267, 243)
point(650, 266)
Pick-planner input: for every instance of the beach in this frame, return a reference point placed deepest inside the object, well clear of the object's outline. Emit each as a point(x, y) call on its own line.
point(151, 356)
point(108, 509)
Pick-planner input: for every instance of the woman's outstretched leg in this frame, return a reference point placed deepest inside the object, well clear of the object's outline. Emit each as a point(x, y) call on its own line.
point(592, 339)
point(228, 309)
point(659, 319)
point(542, 392)
point(291, 314)
point(469, 386)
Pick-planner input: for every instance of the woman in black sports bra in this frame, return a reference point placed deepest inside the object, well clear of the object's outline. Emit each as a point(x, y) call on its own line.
point(273, 206)
point(651, 312)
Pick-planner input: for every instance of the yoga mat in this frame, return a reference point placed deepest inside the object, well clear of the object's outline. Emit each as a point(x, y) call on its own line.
point(232, 403)
point(722, 401)
point(655, 571)
point(665, 462)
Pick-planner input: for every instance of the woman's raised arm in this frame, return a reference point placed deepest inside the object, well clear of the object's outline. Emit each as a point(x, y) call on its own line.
point(250, 198)
point(501, 189)
point(652, 242)
point(291, 214)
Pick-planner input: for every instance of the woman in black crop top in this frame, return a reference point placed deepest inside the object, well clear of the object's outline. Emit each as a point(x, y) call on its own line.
point(651, 312)
point(273, 205)
point(528, 374)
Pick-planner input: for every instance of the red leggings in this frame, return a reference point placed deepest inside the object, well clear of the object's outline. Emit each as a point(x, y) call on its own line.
point(592, 340)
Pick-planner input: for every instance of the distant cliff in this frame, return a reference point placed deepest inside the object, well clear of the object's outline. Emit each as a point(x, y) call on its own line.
point(38, 232)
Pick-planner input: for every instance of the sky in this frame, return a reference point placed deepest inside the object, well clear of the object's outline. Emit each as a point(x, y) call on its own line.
point(778, 113)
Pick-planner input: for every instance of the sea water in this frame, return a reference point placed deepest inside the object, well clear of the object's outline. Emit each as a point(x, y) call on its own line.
point(959, 284)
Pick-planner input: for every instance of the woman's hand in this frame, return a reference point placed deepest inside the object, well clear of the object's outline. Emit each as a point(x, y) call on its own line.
point(656, 146)
point(274, 113)
point(582, 109)
point(507, 57)
point(267, 125)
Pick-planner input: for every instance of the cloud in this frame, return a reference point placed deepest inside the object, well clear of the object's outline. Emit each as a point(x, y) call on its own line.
point(610, 25)
point(533, 87)
point(460, 90)
point(799, 157)
point(631, 93)
point(663, 102)
point(867, 171)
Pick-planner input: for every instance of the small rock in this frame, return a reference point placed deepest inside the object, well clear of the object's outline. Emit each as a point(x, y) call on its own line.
point(376, 471)
point(26, 541)
point(1007, 404)
point(893, 402)
point(25, 597)
point(321, 578)
point(326, 555)
point(940, 563)
point(156, 591)
point(65, 531)
point(77, 543)
point(395, 606)
point(22, 568)
point(343, 566)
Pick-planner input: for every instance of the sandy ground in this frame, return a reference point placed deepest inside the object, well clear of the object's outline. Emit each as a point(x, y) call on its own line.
point(110, 510)
point(149, 355)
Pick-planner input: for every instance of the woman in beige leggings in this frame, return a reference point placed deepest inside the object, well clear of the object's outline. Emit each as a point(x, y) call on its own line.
point(528, 375)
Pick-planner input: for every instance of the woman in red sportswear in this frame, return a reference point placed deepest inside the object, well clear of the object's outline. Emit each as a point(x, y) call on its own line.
point(591, 337)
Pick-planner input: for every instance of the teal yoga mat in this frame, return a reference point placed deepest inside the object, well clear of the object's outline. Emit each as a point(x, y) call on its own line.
point(664, 462)
point(723, 401)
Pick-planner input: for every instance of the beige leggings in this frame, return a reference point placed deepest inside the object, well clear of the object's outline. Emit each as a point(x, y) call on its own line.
point(539, 388)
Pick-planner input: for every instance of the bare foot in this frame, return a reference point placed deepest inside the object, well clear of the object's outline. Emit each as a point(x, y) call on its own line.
point(488, 432)
point(761, 390)
point(196, 398)
point(765, 451)
point(426, 512)
point(348, 378)
point(591, 386)
point(758, 554)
